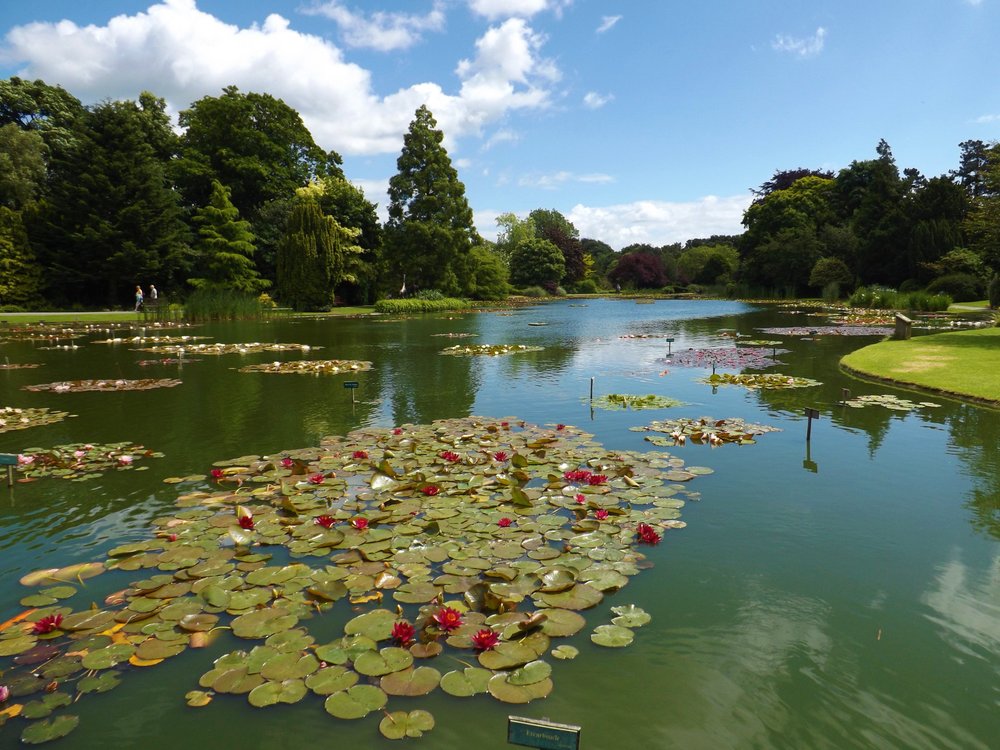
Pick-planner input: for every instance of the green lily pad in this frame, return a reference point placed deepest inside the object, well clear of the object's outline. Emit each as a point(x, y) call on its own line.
point(411, 681)
point(580, 596)
point(197, 698)
point(43, 707)
point(506, 655)
point(355, 702)
point(630, 616)
point(400, 724)
point(330, 680)
point(376, 624)
point(263, 622)
point(504, 691)
point(374, 664)
point(270, 693)
point(466, 682)
point(289, 666)
point(565, 651)
point(612, 636)
point(530, 673)
point(50, 729)
point(99, 683)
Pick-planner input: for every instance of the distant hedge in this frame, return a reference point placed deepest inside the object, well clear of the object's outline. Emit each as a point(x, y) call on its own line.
point(397, 306)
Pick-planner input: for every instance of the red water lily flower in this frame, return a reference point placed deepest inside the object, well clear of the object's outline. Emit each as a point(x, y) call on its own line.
point(450, 456)
point(430, 490)
point(577, 475)
point(500, 456)
point(403, 633)
point(581, 499)
point(4, 693)
point(505, 424)
point(485, 639)
point(504, 522)
point(359, 523)
point(287, 463)
point(246, 522)
point(595, 479)
point(47, 624)
point(600, 514)
point(448, 619)
point(317, 478)
point(216, 473)
point(325, 521)
point(360, 455)
point(560, 426)
point(647, 534)
point(397, 431)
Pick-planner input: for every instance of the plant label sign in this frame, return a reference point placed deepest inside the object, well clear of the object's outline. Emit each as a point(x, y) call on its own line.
point(351, 384)
point(8, 459)
point(542, 733)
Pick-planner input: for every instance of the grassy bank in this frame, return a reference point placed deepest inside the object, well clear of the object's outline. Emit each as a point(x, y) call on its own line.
point(964, 364)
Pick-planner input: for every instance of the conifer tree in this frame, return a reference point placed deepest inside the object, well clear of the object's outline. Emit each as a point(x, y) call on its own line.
point(430, 230)
point(20, 275)
point(225, 246)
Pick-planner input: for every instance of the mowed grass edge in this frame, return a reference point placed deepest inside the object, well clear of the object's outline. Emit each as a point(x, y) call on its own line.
point(965, 364)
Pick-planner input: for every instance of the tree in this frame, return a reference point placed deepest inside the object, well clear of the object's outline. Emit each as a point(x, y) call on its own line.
point(705, 264)
point(828, 271)
point(430, 231)
point(110, 219)
point(487, 279)
point(254, 144)
point(22, 166)
point(972, 166)
point(513, 231)
point(553, 226)
point(315, 256)
point(785, 261)
point(347, 204)
point(982, 226)
point(602, 255)
point(537, 262)
point(641, 270)
point(225, 246)
point(20, 275)
point(50, 111)
point(782, 180)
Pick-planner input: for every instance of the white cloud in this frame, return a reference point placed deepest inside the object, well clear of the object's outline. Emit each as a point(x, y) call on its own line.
point(183, 54)
point(494, 9)
point(501, 136)
point(660, 222)
point(607, 22)
point(379, 30)
point(555, 179)
point(986, 119)
point(593, 100)
point(805, 47)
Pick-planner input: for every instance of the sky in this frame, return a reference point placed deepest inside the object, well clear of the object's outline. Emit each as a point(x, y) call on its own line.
point(641, 121)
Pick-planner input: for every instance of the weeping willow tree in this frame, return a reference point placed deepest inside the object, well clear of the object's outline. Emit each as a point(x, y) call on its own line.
point(315, 255)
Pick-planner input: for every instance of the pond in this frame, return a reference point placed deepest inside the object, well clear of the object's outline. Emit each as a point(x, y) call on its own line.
point(841, 593)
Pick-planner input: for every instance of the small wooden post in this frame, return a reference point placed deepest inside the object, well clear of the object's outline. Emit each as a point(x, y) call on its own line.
point(10, 461)
point(811, 414)
point(670, 341)
point(591, 389)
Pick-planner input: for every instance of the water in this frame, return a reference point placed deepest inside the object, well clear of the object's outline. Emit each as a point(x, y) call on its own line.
point(844, 594)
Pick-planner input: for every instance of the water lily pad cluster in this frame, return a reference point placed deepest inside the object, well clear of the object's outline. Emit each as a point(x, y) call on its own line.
point(81, 461)
point(312, 367)
point(465, 549)
point(863, 318)
point(760, 380)
point(489, 350)
point(761, 342)
point(77, 386)
point(150, 340)
point(19, 366)
point(166, 361)
point(218, 349)
point(40, 333)
point(704, 431)
point(888, 401)
point(12, 418)
point(843, 330)
point(456, 335)
point(614, 401)
point(621, 631)
point(728, 357)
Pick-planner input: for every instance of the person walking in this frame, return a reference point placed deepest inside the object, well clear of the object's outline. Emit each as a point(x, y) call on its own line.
point(138, 298)
point(153, 294)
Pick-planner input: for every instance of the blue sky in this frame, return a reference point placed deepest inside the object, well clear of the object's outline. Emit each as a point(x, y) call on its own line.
point(639, 120)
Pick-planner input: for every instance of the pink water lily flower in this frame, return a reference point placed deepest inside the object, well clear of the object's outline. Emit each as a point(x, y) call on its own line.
point(317, 479)
point(287, 463)
point(581, 499)
point(23, 460)
point(4, 693)
point(600, 514)
point(359, 523)
point(125, 460)
point(325, 521)
point(500, 456)
point(79, 454)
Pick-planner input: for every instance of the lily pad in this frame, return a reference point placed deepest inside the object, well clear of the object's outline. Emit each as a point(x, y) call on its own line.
point(330, 680)
point(411, 681)
point(374, 664)
point(50, 729)
point(355, 702)
point(630, 616)
point(466, 682)
point(612, 636)
point(506, 692)
point(270, 693)
point(400, 724)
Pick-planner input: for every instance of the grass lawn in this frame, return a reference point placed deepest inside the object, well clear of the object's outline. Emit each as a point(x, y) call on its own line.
point(963, 363)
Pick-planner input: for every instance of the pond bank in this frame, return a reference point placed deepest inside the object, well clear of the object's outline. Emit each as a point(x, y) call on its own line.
point(962, 364)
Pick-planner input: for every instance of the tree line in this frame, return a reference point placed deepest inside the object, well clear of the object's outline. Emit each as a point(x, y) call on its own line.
point(95, 200)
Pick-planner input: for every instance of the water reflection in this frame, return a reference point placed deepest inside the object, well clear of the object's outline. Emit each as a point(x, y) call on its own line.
point(966, 608)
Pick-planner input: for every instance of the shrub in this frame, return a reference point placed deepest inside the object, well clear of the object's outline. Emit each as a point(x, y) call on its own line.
point(831, 291)
point(417, 305)
point(585, 286)
point(429, 294)
point(873, 297)
point(963, 287)
point(560, 292)
point(219, 303)
point(11, 309)
point(534, 291)
point(923, 302)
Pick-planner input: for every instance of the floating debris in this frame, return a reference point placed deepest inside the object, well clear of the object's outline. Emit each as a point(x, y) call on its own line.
point(311, 367)
point(489, 350)
point(705, 431)
point(617, 401)
point(12, 418)
point(76, 386)
point(752, 380)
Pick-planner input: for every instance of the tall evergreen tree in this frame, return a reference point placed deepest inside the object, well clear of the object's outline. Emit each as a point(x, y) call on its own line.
point(20, 275)
point(316, 255)
point(553, 226)
point(430, 230)
point(225, 246)
point(110, 219)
